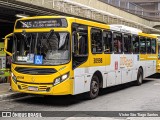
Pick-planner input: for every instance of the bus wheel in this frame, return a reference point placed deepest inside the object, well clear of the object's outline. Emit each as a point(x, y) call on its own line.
point(94, 88)
point(139, 77)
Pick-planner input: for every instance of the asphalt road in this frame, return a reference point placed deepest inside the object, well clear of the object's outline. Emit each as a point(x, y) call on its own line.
point(125, 97)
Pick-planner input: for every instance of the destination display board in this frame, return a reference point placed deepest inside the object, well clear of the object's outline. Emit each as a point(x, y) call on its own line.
point(41, 23)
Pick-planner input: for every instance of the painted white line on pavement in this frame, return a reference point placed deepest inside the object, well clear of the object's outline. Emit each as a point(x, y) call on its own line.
point(143, 118)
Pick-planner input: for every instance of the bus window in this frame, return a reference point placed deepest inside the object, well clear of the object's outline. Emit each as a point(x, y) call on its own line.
point(80, 36)
point(96, 40)
point(142, 45)
point(135, 40)
point(117, 37)
point(148, 45)
point(107, 40)
point(127, 44)
point(153, 46)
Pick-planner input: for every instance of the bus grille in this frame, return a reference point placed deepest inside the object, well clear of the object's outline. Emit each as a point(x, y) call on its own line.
point(24, 86)
point(35, 71)
point(40, 87)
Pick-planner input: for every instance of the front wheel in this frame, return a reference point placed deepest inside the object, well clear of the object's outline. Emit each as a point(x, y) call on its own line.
point(94, 88)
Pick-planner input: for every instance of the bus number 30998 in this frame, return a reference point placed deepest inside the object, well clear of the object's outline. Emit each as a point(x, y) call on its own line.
point(97, 60)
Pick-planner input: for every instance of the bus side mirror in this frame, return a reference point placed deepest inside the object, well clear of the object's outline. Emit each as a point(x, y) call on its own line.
point(6, 39)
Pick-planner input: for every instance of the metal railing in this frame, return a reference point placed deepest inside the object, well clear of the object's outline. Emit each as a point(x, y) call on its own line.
point(134, 9)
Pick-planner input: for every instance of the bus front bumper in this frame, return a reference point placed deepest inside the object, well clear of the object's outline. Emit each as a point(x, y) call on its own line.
point(64, 88)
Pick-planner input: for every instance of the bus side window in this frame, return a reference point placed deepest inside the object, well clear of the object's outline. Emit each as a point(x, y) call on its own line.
point(117, 38)
point(127, 44)
point(148, 45)
point(135, 40)
point(142, 45)
point(80, 38)
point(107, 40)
point(153, 46)
point(96, 40)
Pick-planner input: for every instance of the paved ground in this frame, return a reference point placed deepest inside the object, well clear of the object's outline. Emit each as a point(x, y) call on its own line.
point(120, 98)
point(7, 94)
point(4, 88)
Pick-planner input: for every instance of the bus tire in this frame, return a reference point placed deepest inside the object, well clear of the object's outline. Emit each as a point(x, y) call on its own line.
point(139, 77)
point(94, 88)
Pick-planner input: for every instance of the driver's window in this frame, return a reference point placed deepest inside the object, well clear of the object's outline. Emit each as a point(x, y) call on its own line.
point(80, 38)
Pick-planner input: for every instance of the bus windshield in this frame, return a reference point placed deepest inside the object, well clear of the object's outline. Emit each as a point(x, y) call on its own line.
point(52, 49)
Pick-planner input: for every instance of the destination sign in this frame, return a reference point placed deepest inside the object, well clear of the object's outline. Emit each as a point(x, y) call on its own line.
point(41, 23)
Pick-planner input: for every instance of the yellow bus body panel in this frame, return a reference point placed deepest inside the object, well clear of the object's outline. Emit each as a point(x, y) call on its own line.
point(158, 66)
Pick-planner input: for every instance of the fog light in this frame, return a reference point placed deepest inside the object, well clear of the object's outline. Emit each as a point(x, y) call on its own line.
point(19, 87)
point(48, 89)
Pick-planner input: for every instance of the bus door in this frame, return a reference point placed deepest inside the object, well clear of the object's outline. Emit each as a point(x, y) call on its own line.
point(126, 59)
point(80, 57)
point(110, 74)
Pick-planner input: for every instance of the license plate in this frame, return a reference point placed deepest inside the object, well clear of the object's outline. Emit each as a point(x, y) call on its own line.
point(32, 88)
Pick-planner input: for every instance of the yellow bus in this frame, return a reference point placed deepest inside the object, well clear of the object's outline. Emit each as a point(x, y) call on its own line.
point(57, 55)
point(158, 58)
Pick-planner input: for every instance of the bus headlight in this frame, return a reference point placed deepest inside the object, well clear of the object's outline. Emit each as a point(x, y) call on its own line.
point(61, 79)
point(14, 78)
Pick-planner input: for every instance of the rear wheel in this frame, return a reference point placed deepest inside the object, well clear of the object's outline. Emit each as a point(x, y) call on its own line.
point(139, 77)
point(94, 88)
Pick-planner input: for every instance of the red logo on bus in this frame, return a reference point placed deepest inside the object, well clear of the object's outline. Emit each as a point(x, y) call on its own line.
point(116, 65)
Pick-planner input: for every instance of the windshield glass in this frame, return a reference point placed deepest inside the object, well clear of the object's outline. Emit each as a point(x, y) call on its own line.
point(50, 48)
